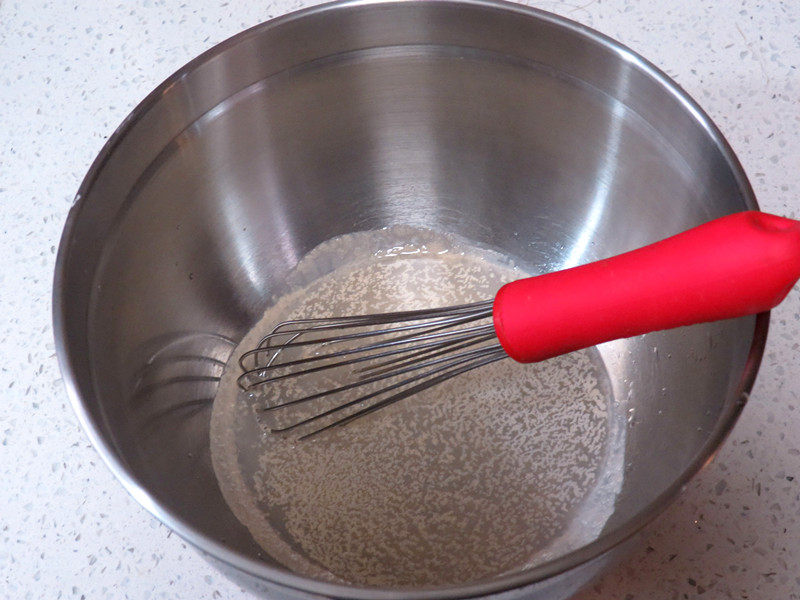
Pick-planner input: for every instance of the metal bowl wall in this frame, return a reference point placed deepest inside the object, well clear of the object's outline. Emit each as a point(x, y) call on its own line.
point(505, 125)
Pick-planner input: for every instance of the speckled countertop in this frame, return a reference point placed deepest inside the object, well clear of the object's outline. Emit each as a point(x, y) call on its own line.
point(69, 73)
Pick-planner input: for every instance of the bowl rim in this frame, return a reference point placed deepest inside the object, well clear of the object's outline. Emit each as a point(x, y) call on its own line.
point(281, 576)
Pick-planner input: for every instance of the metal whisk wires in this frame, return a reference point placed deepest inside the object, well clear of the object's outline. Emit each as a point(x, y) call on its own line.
point(332, 371)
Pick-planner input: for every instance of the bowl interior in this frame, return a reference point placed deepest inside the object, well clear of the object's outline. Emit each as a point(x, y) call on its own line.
point(507, 127)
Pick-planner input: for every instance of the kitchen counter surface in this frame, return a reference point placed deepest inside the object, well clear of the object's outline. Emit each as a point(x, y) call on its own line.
point(69, 73)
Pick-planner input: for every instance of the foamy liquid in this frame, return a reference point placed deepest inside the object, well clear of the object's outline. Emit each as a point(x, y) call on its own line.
point(493, 471)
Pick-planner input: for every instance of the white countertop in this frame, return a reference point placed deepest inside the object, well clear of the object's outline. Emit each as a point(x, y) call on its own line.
point(69, 73)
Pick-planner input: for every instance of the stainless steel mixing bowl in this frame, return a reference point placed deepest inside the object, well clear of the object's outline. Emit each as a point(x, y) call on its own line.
point(509, 126)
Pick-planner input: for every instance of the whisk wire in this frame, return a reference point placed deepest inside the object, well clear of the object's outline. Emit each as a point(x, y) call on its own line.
point(429, 338)
point(454, 359)
point(408, 350)
point(386, 369)
point(357, 321)
point(497, 354)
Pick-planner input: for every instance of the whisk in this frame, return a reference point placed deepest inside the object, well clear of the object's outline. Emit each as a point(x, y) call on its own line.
point(733, 266)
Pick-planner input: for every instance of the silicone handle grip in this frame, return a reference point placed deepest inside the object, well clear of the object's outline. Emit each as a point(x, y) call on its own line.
point(737, 265)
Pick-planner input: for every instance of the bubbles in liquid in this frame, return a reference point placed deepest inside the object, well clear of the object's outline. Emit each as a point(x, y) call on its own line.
point(493, 471)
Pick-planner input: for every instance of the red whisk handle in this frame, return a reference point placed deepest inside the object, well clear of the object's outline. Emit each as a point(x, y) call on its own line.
point(733, 266)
